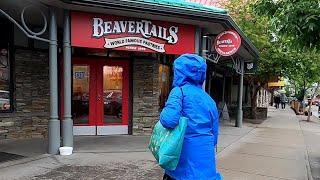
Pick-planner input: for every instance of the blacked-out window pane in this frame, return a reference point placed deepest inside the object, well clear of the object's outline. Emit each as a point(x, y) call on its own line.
point(5, 85)
point(4, 80)
point(164, 84)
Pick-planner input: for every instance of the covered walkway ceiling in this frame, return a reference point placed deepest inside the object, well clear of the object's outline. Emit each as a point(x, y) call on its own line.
point(212, 20)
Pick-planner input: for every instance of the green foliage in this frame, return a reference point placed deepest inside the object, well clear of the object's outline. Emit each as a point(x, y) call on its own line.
point(288, 91)
point(287, 34)
point(297, 19)
point(303, 69)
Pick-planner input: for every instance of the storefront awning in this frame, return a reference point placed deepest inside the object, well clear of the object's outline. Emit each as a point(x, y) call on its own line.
point(215, 20)
point(182, 4)
point(276, 84)
point(180, 11)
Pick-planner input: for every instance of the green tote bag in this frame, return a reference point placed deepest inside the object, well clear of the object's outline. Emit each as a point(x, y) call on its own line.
point(166, 144)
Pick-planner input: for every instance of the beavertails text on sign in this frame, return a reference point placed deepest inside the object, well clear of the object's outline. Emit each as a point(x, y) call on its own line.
point(227, 43)
point(123, 33)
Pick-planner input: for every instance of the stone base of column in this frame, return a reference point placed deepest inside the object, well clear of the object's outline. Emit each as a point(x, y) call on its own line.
point(67, 132)
point(54, 136)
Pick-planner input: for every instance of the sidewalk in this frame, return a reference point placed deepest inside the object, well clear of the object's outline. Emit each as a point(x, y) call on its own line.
point(311, 132)
point(274, 149)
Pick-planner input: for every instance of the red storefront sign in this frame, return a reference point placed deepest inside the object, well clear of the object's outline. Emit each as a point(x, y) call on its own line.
point(131, 34)
point(227, 43)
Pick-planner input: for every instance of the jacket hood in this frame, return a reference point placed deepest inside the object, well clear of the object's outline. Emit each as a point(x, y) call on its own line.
point(189, 69)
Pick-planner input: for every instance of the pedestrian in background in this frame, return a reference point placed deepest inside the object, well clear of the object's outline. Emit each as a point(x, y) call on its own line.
point(277, 101)
point(283, 101)
point(187, 98)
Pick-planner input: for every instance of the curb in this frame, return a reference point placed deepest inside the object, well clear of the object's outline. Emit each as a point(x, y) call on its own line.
point(309, 173)
point(23, 161)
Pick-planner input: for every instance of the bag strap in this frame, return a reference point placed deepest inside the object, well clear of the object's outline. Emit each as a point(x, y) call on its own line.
point(182, 96)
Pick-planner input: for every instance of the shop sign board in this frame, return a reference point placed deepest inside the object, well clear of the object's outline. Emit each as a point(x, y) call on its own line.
point(250, 67)
point(227, 43)
point(131, 34)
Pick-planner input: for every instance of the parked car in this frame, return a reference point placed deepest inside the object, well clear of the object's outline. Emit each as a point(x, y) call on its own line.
point(315, 102)
point(4, 100)
point(307, 102)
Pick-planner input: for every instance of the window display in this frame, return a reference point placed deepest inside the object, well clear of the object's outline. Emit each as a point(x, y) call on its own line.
point(164, 84)
point(5, 97)
point(80, 94)
point(112, 94)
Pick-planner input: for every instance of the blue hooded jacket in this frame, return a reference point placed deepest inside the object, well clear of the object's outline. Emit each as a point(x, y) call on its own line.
point(187, 98)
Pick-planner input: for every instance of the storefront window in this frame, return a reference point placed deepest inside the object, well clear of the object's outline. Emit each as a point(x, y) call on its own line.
point(80, 94)
point(164, 83)
point(5, 95)
point(112, 94)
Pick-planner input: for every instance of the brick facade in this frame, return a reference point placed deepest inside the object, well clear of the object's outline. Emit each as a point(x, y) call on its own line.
point(145, 95)
point(31, 97)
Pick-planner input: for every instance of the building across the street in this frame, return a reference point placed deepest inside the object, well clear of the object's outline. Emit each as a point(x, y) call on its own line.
point(105, 67)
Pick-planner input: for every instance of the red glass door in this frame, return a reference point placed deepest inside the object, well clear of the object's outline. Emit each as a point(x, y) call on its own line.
point(100, 94)
point(113, 96)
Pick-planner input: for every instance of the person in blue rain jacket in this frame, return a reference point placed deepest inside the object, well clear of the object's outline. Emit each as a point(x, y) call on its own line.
point(187, 98)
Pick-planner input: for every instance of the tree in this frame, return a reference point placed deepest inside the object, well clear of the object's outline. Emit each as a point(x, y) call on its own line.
point(298, 21)
point(288, 90)
point(305, 73)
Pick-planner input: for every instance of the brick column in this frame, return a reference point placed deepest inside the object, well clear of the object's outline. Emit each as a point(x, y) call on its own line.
point(145, 95)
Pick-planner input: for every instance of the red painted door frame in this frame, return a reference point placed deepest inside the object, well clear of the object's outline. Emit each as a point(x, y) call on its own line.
point(125, 90)
point(92, 88)
point(96, 110)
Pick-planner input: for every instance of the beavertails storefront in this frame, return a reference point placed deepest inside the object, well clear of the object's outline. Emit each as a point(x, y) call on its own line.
point(87, 67)
point(110, 75)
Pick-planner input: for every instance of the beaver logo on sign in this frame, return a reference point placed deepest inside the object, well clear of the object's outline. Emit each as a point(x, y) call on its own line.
point(227, 43)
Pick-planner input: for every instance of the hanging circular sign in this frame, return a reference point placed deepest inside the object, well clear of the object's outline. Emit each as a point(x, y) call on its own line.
point(227, 43)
